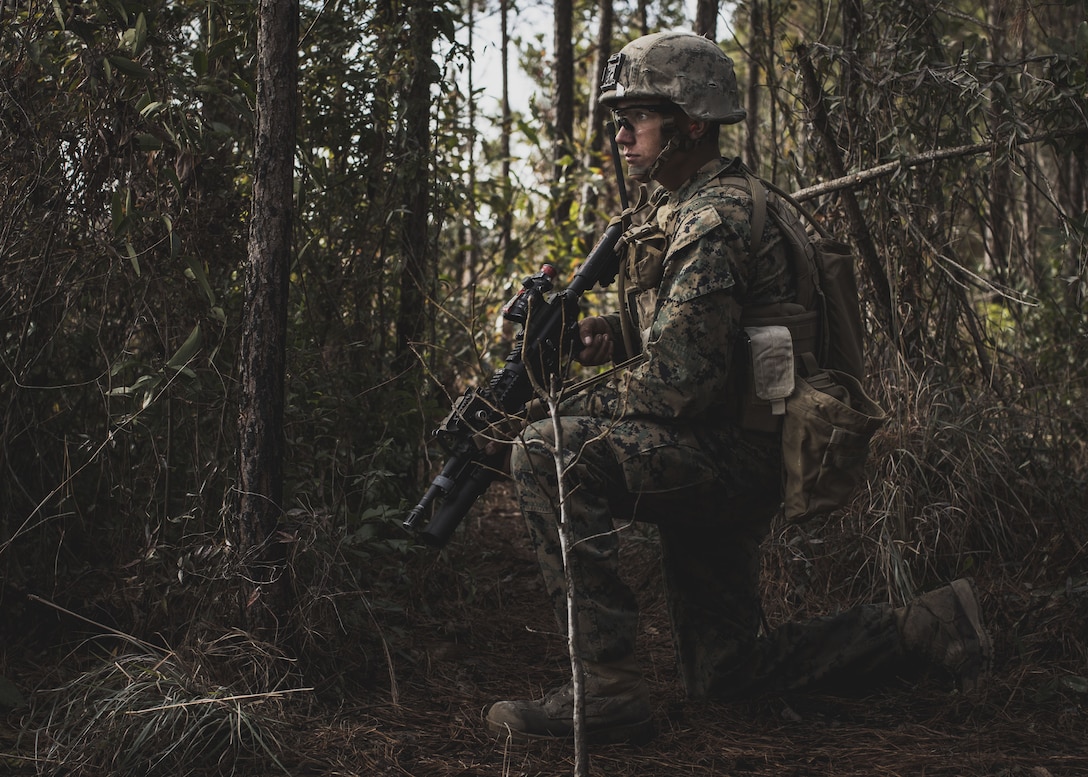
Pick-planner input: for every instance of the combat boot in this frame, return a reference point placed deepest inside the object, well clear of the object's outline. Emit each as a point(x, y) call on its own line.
point(616, 709)
point(945, 628)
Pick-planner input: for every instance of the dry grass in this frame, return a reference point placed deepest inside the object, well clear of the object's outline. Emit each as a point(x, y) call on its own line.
point(152, 712)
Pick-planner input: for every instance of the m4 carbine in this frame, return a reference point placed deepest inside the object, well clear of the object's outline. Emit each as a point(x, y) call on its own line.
point(548, 337)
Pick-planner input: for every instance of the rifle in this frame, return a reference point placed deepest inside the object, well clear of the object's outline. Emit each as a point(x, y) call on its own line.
point(549, 335)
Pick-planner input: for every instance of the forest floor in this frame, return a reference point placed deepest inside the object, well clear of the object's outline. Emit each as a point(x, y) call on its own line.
point(498, 641)
point(481, 630)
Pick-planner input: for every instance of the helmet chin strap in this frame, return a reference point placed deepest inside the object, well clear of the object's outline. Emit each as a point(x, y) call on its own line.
point(677, 141)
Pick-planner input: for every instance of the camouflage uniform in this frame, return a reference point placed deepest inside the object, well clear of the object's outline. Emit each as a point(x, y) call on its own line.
point(661, 443)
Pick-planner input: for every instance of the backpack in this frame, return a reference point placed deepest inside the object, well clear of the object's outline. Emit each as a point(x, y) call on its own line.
point(803, 364)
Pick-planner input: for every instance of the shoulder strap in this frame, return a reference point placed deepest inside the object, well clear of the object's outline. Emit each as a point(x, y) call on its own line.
point(799, 208)
point(759, 211)
point(808, 290)
point(746, 180)
point(802, 253)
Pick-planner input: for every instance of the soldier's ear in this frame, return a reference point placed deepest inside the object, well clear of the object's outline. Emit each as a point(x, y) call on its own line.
point(696, 129)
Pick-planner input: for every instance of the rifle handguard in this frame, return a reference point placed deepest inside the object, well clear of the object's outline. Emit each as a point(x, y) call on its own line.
point(548, 338)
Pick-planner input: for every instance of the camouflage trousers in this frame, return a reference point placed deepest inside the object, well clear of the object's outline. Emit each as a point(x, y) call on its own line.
point(710, 532)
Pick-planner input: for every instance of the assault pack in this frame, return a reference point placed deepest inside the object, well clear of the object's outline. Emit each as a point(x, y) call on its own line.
point(803, 363)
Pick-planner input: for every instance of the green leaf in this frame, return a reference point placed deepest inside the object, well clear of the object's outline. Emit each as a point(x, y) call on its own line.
point(117, 211)
point(225, 46)
point(172, 177)
point(144, 382)
point(130, 252)
point(152, 108)
point(141, 35)
point(246, 87)
point(174, 241)
point(121, 365)
point(120, 210)
point(119, 8)
point(129, 67)
point(196, 272)
point(1076, 684)
point(188, 349)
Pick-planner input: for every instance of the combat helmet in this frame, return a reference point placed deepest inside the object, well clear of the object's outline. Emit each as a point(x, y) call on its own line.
point(681, 67)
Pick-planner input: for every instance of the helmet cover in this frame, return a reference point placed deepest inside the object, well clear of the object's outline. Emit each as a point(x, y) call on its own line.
point(681, 67)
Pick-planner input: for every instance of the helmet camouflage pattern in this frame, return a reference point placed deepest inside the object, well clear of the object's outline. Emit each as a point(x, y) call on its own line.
point(681, 67)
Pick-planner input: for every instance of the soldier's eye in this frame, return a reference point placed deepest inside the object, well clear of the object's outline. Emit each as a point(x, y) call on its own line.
point(633, 118)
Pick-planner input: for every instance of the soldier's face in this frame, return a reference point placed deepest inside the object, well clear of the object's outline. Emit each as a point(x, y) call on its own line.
point(640, 136)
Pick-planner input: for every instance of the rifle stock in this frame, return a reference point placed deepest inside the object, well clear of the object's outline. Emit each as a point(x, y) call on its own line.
point(547, 338)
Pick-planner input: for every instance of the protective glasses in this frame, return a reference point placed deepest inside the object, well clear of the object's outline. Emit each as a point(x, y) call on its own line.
point(633, 117)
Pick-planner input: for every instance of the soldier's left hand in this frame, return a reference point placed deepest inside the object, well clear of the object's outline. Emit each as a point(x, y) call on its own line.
point(596, 341)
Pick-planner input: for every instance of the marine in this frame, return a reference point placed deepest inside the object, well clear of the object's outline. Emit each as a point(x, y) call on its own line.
point(661, 442)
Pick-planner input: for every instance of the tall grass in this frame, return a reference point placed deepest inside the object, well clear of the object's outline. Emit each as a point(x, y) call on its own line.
point(962, 481)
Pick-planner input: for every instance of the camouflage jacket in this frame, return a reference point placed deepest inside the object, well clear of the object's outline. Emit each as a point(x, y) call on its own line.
point(688, 274)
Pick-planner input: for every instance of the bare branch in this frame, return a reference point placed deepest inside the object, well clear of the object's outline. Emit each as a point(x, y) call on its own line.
point(854, 180)
point(566, 545)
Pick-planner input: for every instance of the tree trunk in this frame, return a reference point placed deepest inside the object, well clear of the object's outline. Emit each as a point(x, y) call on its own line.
point(1001, 208)
point(594, 147)
point(706, 18)
point(642, 17)
point(507, 222)
point(470, 252)
point(604, 51)
point(262, 360)
point(757, 44)
point(415, 282)
point(564, 103)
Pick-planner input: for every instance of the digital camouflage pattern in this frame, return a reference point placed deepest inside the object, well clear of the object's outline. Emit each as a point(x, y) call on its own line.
point(681, 67)
point(660, 443)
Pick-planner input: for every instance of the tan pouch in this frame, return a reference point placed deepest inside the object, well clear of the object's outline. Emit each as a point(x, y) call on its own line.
point(825, 442)
point(771, 350)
